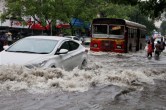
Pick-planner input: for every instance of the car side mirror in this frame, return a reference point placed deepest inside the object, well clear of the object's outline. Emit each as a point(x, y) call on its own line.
point(62, 51)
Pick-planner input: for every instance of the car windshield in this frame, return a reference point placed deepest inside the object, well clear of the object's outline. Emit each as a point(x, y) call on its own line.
point(32, 45)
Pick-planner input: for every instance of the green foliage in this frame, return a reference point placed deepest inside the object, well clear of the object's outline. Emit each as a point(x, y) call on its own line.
point(163, 28)
point(136, 16)
point(125, 2)
point(117, 11)
point(64, 10)
point(153, 8)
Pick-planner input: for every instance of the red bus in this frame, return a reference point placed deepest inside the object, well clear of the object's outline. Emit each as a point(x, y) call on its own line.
point(117, 35)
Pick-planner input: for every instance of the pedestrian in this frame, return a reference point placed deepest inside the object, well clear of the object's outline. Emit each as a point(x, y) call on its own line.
point(158, 48)
point(149, 49)
point(152, 41)
point(162, 45)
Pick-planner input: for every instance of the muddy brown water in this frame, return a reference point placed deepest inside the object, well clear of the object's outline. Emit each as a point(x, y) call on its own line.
point(152, 97)
point(110, 82)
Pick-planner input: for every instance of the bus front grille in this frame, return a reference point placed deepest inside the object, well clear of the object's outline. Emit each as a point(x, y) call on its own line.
point(107, 45)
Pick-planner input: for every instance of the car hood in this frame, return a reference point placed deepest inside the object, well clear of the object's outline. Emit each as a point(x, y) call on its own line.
point(10, 58)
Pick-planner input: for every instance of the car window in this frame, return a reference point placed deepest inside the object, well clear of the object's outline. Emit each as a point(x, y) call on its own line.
point(65, 45)
point(76, 38)
point(73, 45)
point(33, 45)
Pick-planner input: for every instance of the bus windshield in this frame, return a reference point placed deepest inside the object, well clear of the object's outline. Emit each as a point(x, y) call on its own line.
point(116, 30)
point(100, 29)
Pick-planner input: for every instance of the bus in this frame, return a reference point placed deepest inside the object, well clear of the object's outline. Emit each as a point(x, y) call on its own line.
point(117, 35)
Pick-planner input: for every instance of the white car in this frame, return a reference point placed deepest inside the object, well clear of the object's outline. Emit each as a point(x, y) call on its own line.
point(74, 38)
point(45, 51)
point(86, 40)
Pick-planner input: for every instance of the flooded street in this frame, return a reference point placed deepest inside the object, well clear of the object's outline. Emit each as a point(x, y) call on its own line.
point(111, 81)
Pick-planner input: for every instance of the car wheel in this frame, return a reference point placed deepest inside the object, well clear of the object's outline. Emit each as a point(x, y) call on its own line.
point(84, 64)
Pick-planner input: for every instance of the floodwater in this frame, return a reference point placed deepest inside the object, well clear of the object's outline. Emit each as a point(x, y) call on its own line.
point(111, 81)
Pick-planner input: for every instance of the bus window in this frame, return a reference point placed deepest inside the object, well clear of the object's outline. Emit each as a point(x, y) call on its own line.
point(116, 30)
point(100, 29)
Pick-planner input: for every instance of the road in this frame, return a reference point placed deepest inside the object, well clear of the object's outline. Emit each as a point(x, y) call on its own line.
point(111, 81)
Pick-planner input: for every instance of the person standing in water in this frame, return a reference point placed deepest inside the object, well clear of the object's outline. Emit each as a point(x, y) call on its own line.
point(158, 48)
point(150, 49)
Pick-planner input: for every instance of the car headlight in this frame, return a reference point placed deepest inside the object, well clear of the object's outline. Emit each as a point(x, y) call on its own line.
point(37, 65)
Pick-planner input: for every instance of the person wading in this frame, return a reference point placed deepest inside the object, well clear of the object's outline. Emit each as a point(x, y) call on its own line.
point(158, 49)
point(150, 49)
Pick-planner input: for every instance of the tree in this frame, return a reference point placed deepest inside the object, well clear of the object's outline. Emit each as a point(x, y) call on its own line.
point(48, 11)
point(163, 28)
point(153, 8)
point(42, 11)
point(136, 16)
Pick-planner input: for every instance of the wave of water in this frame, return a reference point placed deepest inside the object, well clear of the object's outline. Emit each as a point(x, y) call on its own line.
point(131, 70)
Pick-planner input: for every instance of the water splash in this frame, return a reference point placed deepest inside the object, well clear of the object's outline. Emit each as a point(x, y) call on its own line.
point(131, 70)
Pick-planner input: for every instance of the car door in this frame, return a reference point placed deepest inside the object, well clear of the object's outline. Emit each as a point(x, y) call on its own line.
point(65, 59)
point(76, 53)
